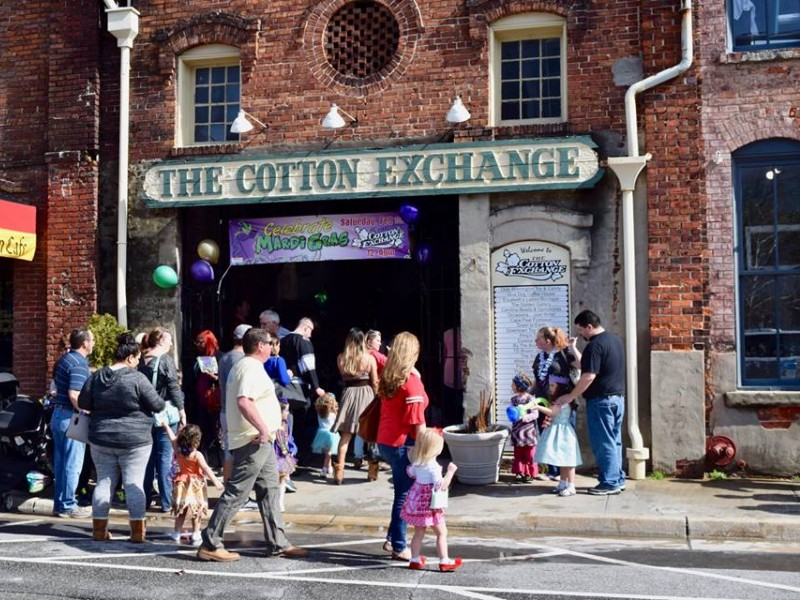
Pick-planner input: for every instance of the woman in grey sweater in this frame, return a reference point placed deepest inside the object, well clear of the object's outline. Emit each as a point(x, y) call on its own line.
point(121, 401)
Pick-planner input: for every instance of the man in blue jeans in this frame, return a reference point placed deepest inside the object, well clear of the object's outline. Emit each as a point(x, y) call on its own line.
point(70, 373)
point(602, 385)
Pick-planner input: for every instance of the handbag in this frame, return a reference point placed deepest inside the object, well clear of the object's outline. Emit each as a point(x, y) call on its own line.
point(293, 394)
point(439, 499)
point(369, 420)
point(170, 414)
point(78, 428)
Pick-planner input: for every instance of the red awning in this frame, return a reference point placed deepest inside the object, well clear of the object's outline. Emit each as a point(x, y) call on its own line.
point(17, 230)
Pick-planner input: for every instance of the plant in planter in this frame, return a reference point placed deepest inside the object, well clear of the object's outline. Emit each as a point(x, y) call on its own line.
point(477, 446)
point(106, 330)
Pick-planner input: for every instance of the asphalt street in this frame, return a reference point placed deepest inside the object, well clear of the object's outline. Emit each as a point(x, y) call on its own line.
point(43, 557)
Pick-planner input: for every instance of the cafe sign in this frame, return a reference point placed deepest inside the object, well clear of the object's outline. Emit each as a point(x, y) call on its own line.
point(509, 166)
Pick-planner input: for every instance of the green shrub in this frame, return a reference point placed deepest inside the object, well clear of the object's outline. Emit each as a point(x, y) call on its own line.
point(717, 475)
point(106, 329)
point(657, 475)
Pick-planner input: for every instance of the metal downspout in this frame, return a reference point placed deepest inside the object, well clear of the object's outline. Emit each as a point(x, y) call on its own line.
point(123, 24)
point(627, 170)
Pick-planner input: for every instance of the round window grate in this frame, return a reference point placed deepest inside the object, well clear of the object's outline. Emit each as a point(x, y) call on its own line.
point(361, 39)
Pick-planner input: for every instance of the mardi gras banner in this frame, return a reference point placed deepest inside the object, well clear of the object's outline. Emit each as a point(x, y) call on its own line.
point(318, 238)
point(17, 230)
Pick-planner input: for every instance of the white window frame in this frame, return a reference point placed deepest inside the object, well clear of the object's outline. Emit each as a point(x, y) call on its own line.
point(525, 26)
point(211, 55)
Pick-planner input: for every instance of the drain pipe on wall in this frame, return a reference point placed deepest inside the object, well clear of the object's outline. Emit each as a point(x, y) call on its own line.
point(627, 169)
point(123, 24)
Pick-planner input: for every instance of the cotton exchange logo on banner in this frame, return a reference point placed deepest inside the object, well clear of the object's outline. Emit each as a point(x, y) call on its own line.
point(537, 269)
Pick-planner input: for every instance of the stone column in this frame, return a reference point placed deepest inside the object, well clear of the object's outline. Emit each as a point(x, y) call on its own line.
point(476, 301)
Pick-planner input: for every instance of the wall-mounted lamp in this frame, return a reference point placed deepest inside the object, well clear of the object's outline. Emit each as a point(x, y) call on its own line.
point(242, 125)
point(458, 113)
point(772, 173)
point(717, 158)
point(333, 120)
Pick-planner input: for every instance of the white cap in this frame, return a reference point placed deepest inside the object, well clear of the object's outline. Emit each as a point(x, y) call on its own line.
point(238, 333)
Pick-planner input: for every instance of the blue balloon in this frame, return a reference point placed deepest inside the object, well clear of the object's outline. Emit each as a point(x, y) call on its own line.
point(202, 271)
point(409, 214)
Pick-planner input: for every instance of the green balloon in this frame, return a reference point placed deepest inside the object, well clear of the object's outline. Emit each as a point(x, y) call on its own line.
point(165, 277)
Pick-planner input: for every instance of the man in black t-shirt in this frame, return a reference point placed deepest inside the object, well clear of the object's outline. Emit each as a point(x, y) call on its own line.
point(602, 385)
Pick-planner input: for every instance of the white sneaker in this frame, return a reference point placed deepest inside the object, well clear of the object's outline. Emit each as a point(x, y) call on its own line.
point(560, 487)
point(197, 539)
point(567, 491)
point(175, 536)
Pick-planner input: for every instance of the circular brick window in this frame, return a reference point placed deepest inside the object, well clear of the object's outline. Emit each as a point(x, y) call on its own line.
point(361, 39)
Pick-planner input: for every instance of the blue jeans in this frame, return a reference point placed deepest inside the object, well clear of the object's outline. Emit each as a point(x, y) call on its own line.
point(398, 460)
point(358, 447)
point(604, 417)
point(110, 463)
point(160, 465)
point(67, 461)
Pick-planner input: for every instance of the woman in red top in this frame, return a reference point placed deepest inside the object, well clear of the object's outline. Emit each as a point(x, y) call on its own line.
point(403, 404)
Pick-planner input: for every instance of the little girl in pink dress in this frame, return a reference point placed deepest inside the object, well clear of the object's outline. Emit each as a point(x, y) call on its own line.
point(417, 511)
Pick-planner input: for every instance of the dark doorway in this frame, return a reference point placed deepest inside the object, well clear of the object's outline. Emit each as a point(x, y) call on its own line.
point(420, 295)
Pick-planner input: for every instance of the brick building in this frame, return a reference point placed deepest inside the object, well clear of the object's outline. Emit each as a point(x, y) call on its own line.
point(517, 220)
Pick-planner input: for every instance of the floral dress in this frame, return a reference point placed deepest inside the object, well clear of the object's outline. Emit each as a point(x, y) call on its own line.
point(189, 488)
point(417, 509)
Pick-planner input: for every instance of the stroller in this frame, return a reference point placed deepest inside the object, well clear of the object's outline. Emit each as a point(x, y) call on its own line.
point(25, 442)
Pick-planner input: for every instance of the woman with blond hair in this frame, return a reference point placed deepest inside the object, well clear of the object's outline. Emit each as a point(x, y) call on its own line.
point(359, 373)
point(158, 366)
point(556, 357)
point(403, 404)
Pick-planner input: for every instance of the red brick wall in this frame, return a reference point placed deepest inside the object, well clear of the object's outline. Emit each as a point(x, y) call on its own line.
point(285, 86)
point(746, 97)
point(677, 257)
point(49, 95)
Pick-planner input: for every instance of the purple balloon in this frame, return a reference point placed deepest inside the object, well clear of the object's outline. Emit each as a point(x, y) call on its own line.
point(202, 271)
point(409, 214)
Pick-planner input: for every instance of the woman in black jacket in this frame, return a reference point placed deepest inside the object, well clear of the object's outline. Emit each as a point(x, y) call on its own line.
point(121, 402)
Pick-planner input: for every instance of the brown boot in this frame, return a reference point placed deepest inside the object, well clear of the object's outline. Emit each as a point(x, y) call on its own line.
point(338, 473)
point(138, 529)
point(372, 471)
point(100, 530)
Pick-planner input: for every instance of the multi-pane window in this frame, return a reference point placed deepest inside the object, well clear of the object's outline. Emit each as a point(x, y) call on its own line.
point(767, 184)
point(216, 103)
point(528, 69)
point(761, 24)
point(209, 95)
point(530, 79)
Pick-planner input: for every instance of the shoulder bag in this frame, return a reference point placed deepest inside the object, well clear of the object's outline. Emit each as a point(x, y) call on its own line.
point(78, 428)
point(293, 394)
point(170, 414)
point(369, 421)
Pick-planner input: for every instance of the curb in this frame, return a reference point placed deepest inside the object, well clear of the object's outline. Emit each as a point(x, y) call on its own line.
point(685, 527)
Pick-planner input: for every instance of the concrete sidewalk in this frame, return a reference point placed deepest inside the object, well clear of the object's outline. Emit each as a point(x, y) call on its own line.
point(749, 509)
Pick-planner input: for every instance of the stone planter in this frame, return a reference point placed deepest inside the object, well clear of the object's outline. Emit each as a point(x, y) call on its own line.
point(476, 454)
